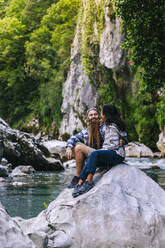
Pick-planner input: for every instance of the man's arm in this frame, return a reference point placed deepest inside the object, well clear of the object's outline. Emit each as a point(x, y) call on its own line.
point(69, 152)
point(80, 137)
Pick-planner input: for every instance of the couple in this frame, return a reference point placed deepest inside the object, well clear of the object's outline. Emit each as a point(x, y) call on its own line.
point(88, 143)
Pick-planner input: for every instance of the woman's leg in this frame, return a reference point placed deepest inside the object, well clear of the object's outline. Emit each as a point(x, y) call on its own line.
point(97, 158)
point(90, 166)
point(100, 158)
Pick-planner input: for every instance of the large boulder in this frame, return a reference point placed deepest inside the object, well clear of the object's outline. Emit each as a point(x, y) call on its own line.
point(22, 148)
point(11, 235)
point(136, 149)
point(161, 142)
point(124, 209)
point(55, 147)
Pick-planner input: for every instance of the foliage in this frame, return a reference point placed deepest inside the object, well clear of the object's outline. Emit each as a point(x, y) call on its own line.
point(45, 205)
point(142, 112)
point(145, 35)
point(92, 28)
point(3, 5)
point(35, 41)
point(47, 55)
point(12, 75)
point(142, 21)
point(161, 109)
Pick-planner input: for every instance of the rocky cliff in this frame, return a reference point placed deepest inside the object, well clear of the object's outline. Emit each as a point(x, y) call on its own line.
point(79, 93)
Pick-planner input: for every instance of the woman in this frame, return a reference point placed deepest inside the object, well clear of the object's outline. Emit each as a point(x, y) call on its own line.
point(110, 154)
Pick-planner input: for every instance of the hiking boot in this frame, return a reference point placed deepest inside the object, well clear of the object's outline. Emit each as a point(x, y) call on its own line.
point(86, 187)
point(73, 182)
point(76, 190)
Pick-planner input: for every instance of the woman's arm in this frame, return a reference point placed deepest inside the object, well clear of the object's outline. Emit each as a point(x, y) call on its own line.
point(111, 141)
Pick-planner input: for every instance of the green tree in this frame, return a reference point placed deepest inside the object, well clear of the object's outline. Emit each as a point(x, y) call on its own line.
point(48, 57)
point(142, 21)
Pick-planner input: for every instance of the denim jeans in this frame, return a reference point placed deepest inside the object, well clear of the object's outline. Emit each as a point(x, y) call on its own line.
point(100, 158)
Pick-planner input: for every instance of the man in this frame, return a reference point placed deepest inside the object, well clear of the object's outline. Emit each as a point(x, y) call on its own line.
point(82, 144)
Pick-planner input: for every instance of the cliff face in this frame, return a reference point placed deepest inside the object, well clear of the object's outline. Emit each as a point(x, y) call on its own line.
point(78, 93)
point(111, 54)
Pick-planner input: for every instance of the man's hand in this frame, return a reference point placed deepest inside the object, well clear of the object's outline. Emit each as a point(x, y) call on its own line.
point(69, 152)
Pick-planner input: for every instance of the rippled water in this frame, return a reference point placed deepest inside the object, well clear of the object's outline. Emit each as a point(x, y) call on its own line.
point(29, 196)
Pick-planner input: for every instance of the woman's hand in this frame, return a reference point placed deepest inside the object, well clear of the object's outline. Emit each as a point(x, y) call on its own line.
point(69, 152)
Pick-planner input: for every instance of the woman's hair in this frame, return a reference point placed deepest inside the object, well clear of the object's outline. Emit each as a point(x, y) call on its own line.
point(112, 115)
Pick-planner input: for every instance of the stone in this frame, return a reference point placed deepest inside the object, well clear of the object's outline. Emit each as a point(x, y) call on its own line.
point(23, 148)
point(111, 54)
point(136, 149)
point(4, 161)
point(161, 142)
point(40, 239)
point(158, 155)
point(78, 96)
point(124, 209)
point(11, 235)
point(2, 180)
point(22, 171)
point(3, 171)
point(33, 225)
point(70, 163)
point(59, 239)
point(55, 146)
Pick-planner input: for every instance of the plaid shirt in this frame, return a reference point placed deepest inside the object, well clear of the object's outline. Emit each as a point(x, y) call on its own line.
point(83, 137)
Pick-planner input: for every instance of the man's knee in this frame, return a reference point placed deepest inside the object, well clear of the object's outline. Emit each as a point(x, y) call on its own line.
point(81, 149)
point(78, 148)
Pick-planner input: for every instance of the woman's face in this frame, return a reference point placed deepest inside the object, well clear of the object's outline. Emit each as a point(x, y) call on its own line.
point(103, 116)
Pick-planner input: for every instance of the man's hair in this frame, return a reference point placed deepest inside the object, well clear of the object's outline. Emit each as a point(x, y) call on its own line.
point(93, 108)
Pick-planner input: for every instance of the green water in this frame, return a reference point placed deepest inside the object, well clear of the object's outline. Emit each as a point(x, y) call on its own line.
point(26, 197)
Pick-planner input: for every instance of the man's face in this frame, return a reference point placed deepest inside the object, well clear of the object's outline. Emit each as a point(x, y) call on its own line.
point(93, 116)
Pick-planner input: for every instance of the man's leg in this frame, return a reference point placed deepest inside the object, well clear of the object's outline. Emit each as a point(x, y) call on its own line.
point(81, 153)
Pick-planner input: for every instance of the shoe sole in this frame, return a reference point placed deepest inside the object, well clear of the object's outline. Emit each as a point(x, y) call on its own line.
point(75, 195)
point(71, 187)
point(80, 193)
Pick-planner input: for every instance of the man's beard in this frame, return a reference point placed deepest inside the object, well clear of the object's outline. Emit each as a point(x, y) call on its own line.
point(94, 139)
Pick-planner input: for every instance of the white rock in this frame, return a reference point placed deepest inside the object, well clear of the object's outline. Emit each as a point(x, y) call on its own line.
point(126, 208)
point(70, 164)
point(136, 149)
point(78, 96)
point(2, 180)
point(161, 142)
point(40, 239)
point(55, 146)
point(11, 236)
point(111, 54)
point(4, 161)
point(22, 170)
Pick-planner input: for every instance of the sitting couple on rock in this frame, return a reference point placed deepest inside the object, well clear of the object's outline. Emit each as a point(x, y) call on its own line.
point(101, 145)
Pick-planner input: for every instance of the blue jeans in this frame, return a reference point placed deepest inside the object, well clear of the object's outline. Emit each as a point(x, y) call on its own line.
point(100, 158)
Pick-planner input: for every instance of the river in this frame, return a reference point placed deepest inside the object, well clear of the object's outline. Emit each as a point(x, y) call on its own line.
point(26, 197)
